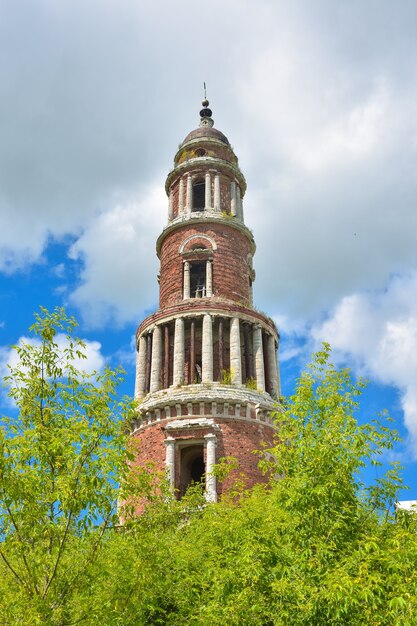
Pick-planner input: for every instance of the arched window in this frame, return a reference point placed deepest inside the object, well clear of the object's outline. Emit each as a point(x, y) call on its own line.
point(199, 195)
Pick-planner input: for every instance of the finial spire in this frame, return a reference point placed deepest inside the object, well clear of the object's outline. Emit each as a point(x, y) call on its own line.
point(206, 113)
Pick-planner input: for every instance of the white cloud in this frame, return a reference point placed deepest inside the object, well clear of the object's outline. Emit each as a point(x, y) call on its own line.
point(377, 333)
point(59, 270)
point(120, 264)
point(317, 98)
point(295, 331)
point(94, 361)
point(331, 183)
point(77, 101)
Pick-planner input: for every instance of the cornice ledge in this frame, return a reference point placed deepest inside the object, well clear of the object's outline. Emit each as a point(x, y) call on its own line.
point(181, 167)
point(189, 423)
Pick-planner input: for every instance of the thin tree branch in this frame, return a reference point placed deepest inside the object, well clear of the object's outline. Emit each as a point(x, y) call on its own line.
point(11, 568)
point(21, 545)
point(88, 560)
point(70, 517)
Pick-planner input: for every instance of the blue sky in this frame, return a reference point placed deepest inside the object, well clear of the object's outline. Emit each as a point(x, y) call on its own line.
point(319, 101)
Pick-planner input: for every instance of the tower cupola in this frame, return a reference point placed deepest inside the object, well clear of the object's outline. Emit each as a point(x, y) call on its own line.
point(206, 177)
point(205, 190)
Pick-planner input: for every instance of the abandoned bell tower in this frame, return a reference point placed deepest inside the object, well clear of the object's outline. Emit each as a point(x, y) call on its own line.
point(207, 370)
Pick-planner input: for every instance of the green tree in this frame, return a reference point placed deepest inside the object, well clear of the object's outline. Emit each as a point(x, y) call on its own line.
point(61, 459)
point(314, 547)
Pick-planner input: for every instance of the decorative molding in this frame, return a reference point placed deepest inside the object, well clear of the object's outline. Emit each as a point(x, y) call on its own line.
point(194, 422)
point(198, 236)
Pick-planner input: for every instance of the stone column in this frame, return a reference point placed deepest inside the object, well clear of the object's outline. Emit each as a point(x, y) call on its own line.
point(266, 363)
point(186, 280)
point(217, 193)
point(211, 493)
point(156, 359)
point(178, 374)
point(181, 197)
point(239, 205)
point(170, 205)
point(273, 366)
point(235, 352)
point(148, 361)
point(209, 278)
point(140, 382)
point(221, 360)
point(278, 372)
point(258, 355)
point(208, 192)
point(170, 461)
point(248, 368)
point(207, 350)
point(233, 198)
point(192, 352)
point(166, 357)
point(189, 193)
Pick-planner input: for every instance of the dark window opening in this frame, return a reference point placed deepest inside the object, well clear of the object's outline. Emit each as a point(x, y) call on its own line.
point(199, 195)
point(198, 280)
point(192, 467)
point(200, 152)
point(197, 374)
point(197, 469)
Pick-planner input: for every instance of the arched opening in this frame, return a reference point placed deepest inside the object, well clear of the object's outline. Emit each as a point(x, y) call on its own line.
point(192, 467)
point(199, 195)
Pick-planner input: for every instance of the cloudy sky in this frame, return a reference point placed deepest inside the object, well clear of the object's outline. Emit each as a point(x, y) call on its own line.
point(319, 100)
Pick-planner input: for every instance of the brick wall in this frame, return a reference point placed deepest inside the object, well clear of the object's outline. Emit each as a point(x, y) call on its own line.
point(239, 439)
point(230, 269)
point(236, 438)
point(148, 446)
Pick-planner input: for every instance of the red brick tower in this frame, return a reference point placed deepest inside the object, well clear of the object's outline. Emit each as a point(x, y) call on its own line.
point(207, 370)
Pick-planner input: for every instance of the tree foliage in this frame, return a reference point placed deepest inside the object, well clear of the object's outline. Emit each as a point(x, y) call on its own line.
point(60, 458)
point(314, 546)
